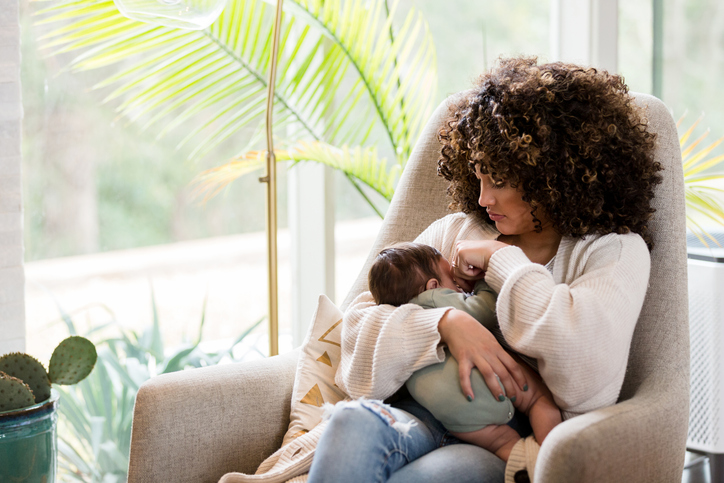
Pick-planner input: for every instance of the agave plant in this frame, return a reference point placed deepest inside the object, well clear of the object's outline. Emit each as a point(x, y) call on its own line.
point(702, 198)
point(345, 77)
point(94, 441)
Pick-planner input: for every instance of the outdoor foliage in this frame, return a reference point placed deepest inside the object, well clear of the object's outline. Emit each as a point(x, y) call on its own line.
point(345, 76)
point(96, 415)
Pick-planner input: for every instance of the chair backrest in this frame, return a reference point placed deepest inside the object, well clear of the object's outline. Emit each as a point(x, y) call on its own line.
point(660, 347)
point(420, 197)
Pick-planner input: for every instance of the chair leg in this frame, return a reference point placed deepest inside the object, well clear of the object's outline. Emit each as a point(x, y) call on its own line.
point(716, 467)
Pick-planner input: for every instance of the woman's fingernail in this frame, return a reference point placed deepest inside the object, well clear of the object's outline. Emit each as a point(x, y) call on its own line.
point(512, 399)
point(525, 387)
point(501, 398)
point(470, 398)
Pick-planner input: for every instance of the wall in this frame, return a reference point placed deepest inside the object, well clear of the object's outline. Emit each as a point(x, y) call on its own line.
point(12, 279)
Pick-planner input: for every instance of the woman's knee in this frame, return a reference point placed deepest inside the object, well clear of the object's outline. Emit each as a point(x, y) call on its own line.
point(367, 417)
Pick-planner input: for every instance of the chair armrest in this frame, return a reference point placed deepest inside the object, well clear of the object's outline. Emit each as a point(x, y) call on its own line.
point(196, 425)
point(641, 439)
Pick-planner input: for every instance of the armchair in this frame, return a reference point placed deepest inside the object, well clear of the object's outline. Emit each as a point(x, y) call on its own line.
point(197, 425)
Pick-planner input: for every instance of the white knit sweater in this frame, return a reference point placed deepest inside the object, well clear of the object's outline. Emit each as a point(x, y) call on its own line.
point(577, 322)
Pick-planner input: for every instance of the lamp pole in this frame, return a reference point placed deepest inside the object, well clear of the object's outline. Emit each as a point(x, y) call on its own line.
point(271, 191)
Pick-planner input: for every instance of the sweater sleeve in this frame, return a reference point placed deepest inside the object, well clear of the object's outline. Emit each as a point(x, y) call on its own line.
point(579, 330)
point(383, 345)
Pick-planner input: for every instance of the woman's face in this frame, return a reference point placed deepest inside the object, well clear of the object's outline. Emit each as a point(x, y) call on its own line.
point(505, 206)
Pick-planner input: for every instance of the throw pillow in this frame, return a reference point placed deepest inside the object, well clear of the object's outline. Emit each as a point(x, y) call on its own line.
point(314, 380)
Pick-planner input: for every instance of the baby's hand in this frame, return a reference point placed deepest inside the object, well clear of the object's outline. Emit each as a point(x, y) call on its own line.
point(470, 258)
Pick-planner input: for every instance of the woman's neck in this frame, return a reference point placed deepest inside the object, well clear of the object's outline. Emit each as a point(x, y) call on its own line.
point(538, 247)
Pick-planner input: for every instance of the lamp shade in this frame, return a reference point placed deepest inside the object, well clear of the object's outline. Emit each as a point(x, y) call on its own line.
point(186, 14)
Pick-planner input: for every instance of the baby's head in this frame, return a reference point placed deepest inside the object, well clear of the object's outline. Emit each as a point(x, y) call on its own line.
point(404, 270)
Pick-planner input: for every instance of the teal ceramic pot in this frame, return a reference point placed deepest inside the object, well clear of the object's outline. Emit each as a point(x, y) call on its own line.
point(29, 443)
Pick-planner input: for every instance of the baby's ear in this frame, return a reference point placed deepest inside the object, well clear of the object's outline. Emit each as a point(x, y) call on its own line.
point(431, 284)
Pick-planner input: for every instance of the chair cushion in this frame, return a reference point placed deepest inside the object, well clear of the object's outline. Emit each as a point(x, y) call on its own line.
point(314, 380)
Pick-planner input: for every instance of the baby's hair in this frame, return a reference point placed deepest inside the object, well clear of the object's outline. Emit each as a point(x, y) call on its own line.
point(401, 271)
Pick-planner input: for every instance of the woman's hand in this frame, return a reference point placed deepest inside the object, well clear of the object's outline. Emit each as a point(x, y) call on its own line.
point(473, 345)
point(470, 258)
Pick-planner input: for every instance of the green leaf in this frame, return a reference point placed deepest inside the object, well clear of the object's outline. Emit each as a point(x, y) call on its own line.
point(69, 453)
point(71, 410)
point(177, 360)
point(153, 342)
point(110, 449)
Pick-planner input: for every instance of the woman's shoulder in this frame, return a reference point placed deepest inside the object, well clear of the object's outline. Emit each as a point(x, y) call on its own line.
point(611, 241)
point(612, 249)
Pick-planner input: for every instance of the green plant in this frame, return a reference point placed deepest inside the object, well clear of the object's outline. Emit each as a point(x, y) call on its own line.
point(25, 382)
point(345, 76)
point(702, 198)
point(94, 442)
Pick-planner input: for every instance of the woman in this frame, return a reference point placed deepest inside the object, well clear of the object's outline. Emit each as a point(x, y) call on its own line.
point(552, 169)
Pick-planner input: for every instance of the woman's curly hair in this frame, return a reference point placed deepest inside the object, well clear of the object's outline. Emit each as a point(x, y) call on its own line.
point(570, 138)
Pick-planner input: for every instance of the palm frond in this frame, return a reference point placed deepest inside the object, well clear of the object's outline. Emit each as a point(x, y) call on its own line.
point(362, 164)
point(685, 136)
point(701, 198)
point(381, 62)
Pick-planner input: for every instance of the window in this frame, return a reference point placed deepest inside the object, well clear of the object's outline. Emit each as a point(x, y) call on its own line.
point(109, 215)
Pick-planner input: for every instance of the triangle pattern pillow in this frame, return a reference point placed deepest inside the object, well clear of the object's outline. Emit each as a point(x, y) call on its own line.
point(314, 380)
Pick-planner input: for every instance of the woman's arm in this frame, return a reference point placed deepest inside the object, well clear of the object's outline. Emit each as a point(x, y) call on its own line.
point(579, 330)
point(473, 346)
point(382, 345)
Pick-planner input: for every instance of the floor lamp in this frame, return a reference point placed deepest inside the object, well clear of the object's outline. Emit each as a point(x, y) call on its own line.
point(197, 15)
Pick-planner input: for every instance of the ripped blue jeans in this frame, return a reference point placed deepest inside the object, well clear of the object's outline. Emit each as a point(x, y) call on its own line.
point(368, 441)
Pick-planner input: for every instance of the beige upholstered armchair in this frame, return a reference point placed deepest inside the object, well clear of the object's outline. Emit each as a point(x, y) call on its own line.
point(197, 425)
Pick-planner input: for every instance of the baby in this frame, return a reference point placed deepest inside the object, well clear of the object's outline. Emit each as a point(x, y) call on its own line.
point(419, 274)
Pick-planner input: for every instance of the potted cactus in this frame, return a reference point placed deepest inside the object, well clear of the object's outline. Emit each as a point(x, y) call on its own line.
point(28, 408)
